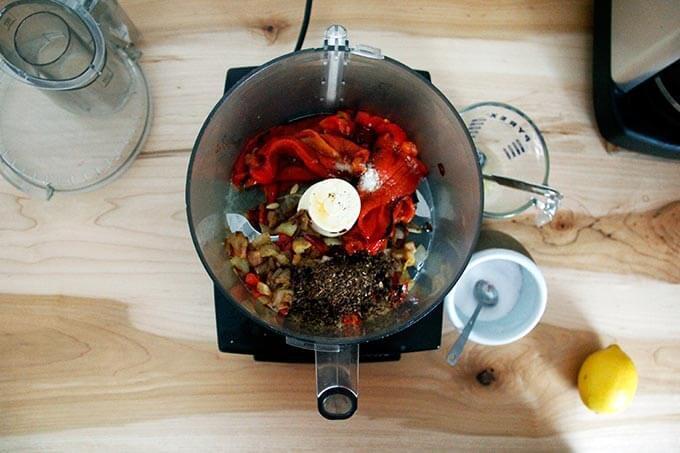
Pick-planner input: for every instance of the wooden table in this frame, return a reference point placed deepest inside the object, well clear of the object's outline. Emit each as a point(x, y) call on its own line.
point(106, 315)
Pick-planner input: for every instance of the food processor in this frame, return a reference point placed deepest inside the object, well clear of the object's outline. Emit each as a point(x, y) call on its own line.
point(324, 80)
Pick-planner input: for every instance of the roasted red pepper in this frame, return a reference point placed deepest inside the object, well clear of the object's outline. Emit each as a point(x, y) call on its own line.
point(304, 151)
point(397, 136)
point(317, 244)
point(347, 155)
point(262, 214)
point(240, 171)
point(343, 146)
point(341, 123)
point(285, 242)
point(399, 172)
point(350, 319)
point(296, 173)
point(367, 120)
point(264, 168)
point(317, 143)
point(320, 147)
point(271, 192)
point(252, 279)
point(404, 210)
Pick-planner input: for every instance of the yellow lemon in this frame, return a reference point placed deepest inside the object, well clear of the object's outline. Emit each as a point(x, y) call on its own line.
point(607, 380)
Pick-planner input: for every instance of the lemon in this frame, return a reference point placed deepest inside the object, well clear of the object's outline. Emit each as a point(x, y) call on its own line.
point(607, 380)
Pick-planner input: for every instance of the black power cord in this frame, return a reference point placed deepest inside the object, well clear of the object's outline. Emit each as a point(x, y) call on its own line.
point(303, 27)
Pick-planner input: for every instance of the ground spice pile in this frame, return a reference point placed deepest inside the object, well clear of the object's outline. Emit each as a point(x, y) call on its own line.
point(344, 284)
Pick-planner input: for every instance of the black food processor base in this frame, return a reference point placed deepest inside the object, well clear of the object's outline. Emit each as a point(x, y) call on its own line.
point(236, 333)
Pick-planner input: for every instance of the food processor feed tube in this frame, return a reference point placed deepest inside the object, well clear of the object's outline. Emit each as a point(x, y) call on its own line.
point(337, 366)
point(337, 377)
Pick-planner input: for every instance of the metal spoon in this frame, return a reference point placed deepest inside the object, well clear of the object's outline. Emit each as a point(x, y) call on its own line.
point(538, 189)
point(487, 296)
point(547, 202)
point(238, 222)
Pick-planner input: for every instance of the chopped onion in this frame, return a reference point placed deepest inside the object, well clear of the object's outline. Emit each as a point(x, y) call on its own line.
point(300, 245)
point(332, 241)
point(262, 288)
point(254, 258)
point(287, 228)
point(261, 240)
point(268, 250)
point(237, 244)
point(240, 263)
point(282, 259)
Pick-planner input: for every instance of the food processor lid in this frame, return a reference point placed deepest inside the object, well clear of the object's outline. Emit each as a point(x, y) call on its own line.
point(51, 45)
point(75, 104)
point(59, 141)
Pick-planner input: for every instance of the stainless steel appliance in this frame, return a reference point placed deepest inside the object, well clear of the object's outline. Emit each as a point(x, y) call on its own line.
point(636, 74)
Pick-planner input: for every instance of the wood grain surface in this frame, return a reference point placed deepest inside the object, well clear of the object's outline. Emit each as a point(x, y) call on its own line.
point(107, 331)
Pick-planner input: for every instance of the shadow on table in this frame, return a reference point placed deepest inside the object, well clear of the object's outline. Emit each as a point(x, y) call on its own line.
point(513, 396)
